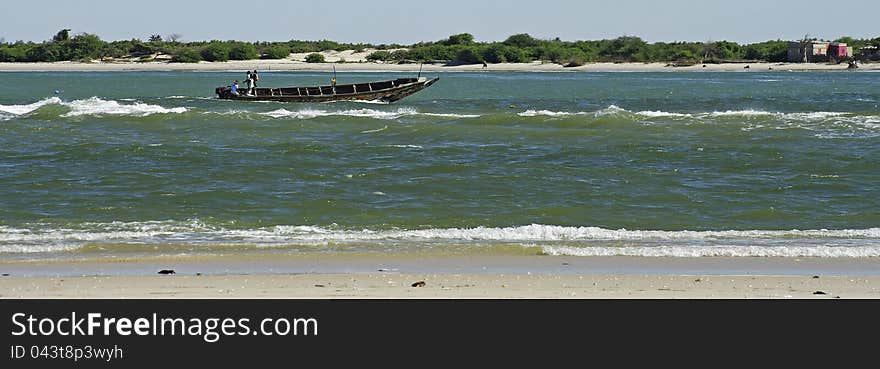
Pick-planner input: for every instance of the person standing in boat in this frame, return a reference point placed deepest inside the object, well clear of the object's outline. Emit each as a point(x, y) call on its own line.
point(250, 83)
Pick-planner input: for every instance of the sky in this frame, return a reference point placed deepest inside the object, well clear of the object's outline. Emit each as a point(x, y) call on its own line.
point(411, 21)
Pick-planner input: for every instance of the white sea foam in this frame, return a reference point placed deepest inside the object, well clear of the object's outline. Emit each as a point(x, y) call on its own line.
point(93, 106)
point(614, 109)
point(451, 115)
point(27, 108)
point(611, 110)
point(360, 113)
point(556, 240)
point(98, 106)
point(718, 251)
point(376, 130)
point(658, 114)
point(406, 146)
point(535, 113)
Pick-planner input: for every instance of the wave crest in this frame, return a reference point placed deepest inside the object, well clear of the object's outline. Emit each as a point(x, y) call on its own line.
point(359, 113)
point(27, 108)
point(93, 106)
point(556, 240)
point(98, 106)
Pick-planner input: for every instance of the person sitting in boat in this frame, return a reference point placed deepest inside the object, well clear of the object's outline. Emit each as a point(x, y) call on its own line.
point(234, 88)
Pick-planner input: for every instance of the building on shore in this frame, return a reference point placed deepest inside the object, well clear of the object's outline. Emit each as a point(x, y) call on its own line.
point(816, 51)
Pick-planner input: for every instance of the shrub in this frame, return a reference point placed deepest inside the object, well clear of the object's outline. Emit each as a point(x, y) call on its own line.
point(399, 55)
point(521, 40)
point(186, 56)
point(47, 52)
point(215, 51)
point(495, 53)
point(379, 55)
point(575, 61)
point(115, 51)
point(12, 54)
point(139, 48)
point(84, 46)
point(459, 39)
point(243, 51)
point(434, 52)
point(276, 52)
point(314, 58)
point(469, 55)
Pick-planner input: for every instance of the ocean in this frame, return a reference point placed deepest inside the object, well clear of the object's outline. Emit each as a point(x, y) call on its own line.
point(665, 164)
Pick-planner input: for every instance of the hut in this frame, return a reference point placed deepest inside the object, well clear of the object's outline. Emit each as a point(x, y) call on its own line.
point(808, 51)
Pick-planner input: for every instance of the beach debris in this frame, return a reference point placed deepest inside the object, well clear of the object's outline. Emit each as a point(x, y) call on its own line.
point(819, 293)
point(815, 277)
point(419, 284)
point(698, 280)
point(167, 271)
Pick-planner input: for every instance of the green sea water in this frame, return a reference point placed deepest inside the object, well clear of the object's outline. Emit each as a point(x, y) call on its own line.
point(650, 164)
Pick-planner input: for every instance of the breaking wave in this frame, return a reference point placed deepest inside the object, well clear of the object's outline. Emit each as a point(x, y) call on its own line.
point(614, 109)
point(555, 240)
point(97, 106)
point(359, 113)
point(93, 106)
point(718, 251)
point(826, 124)
point(25, 109)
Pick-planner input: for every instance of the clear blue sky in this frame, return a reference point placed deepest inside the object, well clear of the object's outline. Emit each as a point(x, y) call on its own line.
point(410, 21)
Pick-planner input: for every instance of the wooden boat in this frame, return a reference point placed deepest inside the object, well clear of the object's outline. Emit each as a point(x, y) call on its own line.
point(387, 91)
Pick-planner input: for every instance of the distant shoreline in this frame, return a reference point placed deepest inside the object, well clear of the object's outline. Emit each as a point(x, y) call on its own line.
point(289, 65)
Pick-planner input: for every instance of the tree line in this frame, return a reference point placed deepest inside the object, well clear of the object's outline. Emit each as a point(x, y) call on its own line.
point(456, 49)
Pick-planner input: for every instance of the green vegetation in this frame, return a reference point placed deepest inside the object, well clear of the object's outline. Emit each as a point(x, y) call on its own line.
point(243, 51)
point(187, 56)
point(456, 49)
point(314, 58)
point(276, 52)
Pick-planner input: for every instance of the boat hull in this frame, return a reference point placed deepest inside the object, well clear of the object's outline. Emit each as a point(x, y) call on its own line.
point(386, 91)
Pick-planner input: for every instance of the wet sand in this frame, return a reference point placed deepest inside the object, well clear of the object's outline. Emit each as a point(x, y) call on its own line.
point(322, 277)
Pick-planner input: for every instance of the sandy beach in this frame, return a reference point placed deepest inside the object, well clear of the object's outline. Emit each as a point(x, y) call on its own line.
point(342, 277)
point(349, 61)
